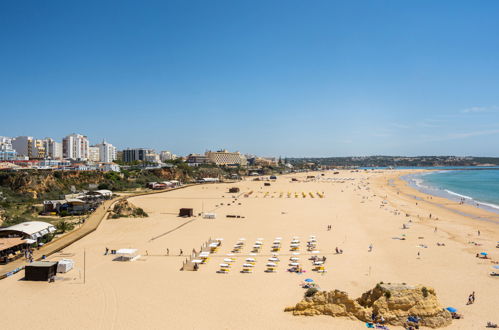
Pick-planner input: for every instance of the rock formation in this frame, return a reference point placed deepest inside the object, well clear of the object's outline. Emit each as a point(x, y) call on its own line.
point(395, 302)
point(125, 209)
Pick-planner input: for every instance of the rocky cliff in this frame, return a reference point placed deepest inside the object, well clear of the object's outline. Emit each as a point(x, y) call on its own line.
point(394, 302)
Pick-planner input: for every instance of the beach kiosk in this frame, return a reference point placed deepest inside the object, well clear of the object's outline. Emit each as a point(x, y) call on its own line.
point(40, 270)
point(186, 212)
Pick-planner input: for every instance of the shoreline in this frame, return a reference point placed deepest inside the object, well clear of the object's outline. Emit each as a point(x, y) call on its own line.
point(445, 193)
point(441, 208)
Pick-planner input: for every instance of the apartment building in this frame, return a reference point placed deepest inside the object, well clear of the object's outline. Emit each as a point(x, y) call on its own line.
point(76, 147)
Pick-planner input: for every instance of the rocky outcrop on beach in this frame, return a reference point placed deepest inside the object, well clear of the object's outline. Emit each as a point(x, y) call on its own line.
point(394, 302)
point(125, 209)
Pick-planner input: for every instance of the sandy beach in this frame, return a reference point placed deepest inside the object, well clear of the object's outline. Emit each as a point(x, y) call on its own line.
point(363, 208)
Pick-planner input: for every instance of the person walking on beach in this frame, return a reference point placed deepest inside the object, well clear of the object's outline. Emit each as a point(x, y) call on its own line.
point(107, 251)
point(181, 252)
point(167, 252)
point(478, 232)
point(419, 255)
point(370, 247)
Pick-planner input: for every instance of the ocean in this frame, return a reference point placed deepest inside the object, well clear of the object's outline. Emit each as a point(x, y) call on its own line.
point(475, 186)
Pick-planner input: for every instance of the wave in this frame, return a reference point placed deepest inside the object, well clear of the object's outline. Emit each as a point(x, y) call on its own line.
point(428, 187)
point(459, 195)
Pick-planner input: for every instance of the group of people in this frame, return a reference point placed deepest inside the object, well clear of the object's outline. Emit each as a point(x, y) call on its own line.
point(28, 254)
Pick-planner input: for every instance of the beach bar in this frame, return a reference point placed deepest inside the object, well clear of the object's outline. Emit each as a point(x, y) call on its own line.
point(186, 212)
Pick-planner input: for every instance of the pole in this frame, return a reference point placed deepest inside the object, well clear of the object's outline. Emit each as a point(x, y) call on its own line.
point(84, 266)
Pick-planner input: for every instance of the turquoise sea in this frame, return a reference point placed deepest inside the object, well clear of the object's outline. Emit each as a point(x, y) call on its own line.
point(474, 185)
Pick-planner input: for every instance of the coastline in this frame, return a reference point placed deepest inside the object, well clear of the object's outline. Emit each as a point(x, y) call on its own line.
point(441, 208)
point(364, 208)
point(413, 178)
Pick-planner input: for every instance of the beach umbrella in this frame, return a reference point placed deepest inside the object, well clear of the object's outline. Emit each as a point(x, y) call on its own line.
point(250, 259)
point(316, 251)
point(294, 259)
point(230, 254)
point(197, 261)
point(483, 253)
point(318, 263)
point(224, 265)
point(247, 265)
point(294, 264)
point(296, 253)
point(228, 260)
point(309, 280)
point(451, 309)
point(271, 264)
point(273, 259)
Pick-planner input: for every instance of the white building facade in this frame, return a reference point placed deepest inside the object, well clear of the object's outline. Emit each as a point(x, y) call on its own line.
point(76, 146)
point(53, 149)
point(107, 152)
point(93, 154)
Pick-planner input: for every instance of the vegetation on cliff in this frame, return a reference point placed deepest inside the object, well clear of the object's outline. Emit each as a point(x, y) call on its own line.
point(125, 209)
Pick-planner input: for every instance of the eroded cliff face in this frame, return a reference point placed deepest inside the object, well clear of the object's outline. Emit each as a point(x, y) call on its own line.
point(394, 302)
point(36, 183)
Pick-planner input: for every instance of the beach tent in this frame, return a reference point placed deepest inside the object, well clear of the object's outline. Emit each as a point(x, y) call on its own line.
point(40, 270)
point(65, 265)
point(126, 255)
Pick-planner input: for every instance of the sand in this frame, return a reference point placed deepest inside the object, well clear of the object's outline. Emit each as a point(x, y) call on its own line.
point(152, 293)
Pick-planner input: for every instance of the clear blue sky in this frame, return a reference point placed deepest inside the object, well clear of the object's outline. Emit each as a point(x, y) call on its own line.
point(290, 78)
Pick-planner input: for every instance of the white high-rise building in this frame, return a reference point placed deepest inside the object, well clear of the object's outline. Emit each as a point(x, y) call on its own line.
point(166, 155)
point(53, 149)
point(76, 147)
point(93, 154)
point(107, 152)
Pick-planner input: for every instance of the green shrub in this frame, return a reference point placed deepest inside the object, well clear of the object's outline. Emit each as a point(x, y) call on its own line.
point(424, 290)
point(388, 294)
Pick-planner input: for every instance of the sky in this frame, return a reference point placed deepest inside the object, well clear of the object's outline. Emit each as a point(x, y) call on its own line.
point(271, 78)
